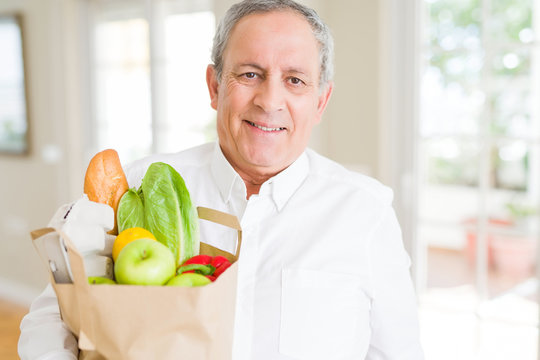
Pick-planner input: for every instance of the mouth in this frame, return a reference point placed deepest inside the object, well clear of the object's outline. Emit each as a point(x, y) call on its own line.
point(264, 128)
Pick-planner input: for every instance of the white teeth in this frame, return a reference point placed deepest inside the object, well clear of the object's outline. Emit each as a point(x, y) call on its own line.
point(264, 128)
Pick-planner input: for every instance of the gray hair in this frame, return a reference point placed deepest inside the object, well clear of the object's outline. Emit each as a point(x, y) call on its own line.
point(247, 7)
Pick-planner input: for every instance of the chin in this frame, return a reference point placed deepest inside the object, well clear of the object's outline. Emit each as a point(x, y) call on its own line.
point(263, 164)
point(268, 165)
point(267, 158)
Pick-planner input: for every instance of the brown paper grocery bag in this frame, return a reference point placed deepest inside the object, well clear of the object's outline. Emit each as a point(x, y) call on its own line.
point(151, 322)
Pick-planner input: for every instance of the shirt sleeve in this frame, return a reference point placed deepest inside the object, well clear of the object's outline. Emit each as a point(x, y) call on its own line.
point(394, 311)
point(43, 333)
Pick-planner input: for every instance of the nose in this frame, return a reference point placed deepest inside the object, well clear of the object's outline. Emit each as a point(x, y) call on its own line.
point(270, 95)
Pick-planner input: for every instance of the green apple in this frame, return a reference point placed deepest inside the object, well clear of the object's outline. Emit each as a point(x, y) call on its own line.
point(100, 280)
point(144, 262)
point(189, 280)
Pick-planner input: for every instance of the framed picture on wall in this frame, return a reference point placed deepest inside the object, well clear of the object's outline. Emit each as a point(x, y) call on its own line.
point(13, 90)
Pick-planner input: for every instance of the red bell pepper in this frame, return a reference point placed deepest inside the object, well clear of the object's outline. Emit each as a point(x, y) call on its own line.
point(206, 265)
point(221, 264)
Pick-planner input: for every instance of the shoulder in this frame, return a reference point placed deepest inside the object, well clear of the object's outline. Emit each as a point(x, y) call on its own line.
point(349, 183)
point(184, 161)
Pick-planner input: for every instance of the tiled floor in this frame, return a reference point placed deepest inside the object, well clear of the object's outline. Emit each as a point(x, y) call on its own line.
point(10, 318)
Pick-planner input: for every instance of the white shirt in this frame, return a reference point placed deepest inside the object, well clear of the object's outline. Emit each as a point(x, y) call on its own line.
point(322, 273)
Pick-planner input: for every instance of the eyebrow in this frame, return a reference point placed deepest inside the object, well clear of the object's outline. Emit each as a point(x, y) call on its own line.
point(258, 67)
point(290, 70)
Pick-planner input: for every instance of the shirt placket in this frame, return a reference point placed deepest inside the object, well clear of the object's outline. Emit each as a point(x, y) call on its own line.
point(249, 258)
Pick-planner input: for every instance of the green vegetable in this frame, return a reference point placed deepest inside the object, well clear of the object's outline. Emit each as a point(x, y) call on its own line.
point(162, 205)
point(130, 210)
point(197, 268)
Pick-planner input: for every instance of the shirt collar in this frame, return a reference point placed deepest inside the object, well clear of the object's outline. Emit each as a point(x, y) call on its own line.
point(280, 187)
point(223, 173)
point(285, 184)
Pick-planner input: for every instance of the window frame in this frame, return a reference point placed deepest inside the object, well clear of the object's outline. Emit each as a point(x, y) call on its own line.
point(400, 77)
point(154, 13)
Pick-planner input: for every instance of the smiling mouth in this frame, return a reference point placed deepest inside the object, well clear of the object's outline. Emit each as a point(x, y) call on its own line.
point(264, 128)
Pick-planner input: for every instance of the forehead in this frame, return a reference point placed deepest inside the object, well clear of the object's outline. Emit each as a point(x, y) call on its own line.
point(272, 36)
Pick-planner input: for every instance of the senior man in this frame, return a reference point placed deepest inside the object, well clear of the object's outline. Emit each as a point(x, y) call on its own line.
point(323, 273)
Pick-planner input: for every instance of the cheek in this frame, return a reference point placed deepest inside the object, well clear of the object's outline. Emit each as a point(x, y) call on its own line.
point(305, 114)
point(231, 106)
point(234, 100)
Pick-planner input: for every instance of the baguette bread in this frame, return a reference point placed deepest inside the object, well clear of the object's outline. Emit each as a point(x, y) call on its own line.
point(105, 181)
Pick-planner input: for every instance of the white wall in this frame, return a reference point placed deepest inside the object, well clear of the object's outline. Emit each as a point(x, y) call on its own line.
point(352, 118)
point(32, 187)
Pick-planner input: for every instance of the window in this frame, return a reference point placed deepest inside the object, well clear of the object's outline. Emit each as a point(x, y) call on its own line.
point(478, 171)
point(13, 107)
point(148, 66)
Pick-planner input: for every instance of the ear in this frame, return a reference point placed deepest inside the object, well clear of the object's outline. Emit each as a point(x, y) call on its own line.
point(213, 85)
point(323, 99)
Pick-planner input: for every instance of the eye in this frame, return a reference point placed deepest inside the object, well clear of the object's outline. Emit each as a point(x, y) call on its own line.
point(250, 75)
point(296, 81)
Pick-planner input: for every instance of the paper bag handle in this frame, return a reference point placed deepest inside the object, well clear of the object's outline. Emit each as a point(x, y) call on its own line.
point(80, 282)
point(36, 234)
point(224, 219)
point(75, 258)
point(76, 261)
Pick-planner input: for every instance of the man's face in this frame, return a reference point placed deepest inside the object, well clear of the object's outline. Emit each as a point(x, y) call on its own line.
point(268, 99)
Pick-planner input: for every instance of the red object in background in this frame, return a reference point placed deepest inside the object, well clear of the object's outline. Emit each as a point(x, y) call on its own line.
point(514, 256)
point(472, 229)
point(509, 254)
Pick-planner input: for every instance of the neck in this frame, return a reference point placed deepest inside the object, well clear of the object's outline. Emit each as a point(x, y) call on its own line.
point(253, 181)
point(252, 176)
point(251, 189)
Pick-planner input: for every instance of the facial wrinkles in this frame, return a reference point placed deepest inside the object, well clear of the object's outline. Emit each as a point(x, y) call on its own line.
point(285, 56)
point(268, 114)
point(274, 60)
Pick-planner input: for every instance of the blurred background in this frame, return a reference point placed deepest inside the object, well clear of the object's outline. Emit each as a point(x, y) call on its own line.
point(439, 99)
